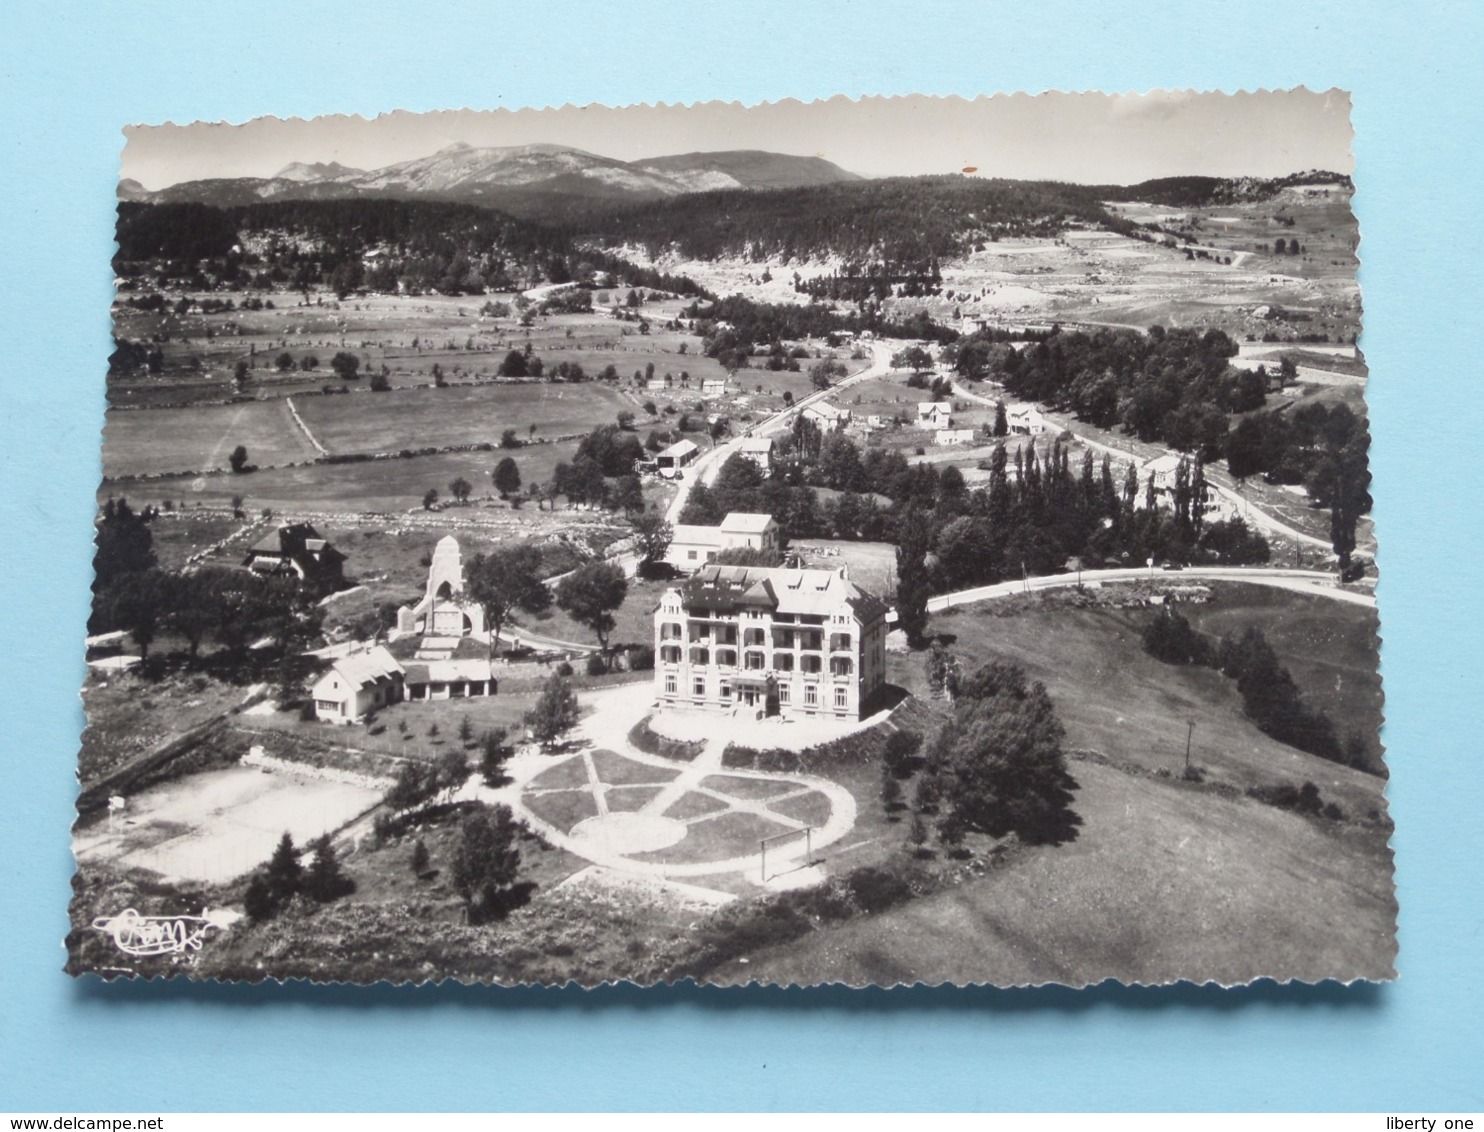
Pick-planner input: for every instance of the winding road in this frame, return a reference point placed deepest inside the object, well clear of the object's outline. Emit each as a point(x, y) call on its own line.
point(1299, 581)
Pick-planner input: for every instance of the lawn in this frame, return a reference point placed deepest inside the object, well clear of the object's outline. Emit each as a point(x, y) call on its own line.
point(1163, 883)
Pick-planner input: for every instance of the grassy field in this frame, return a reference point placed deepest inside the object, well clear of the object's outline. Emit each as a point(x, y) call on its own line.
point(1332, 657)
point(1163, 883)
point(180, 534)
point(416, 418)
point(1115, 699)
point(377, 485)
point(141, 441)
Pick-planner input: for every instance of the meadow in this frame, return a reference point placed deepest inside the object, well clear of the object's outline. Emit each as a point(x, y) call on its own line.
point(478, 414)
point(1166, 878)
point(1163, 882)
point(1115, 699)
point(386, 486)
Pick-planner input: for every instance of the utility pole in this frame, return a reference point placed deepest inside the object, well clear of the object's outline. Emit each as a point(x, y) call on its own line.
point(1190, 731)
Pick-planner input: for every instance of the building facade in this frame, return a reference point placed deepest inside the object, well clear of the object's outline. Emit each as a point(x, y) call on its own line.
point(693, 546)
point(790, 642)
point(357, 684)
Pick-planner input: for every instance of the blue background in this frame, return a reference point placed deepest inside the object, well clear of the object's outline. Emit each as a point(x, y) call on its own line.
point(72, 77)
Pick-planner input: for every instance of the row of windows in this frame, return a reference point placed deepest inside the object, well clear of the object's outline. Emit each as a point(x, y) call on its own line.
point(756, 661)
point(785, 693)
point(782, 638)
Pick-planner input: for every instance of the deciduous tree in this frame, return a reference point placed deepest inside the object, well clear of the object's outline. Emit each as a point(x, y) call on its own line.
point(506, 580)
point(590, 594)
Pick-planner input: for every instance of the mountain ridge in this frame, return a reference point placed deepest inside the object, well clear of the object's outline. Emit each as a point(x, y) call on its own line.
point(515, 177)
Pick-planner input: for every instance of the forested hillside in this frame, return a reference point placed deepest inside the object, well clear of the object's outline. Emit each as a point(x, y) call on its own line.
point(903, 222)
point(378, 245)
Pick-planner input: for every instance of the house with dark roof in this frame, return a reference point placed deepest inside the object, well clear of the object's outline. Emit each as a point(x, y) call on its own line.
point(300, 550)
point(781, 641)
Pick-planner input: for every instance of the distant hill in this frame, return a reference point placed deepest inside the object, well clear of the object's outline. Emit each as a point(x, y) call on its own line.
point(318, 171)
point(1199, 192)
point(536, 180)
point(747, 169)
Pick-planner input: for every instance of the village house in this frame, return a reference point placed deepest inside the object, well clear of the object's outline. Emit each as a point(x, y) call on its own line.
point(758, 449)
point(1025, 421)
point(828, 418)
point(300, 550)
point(356, 685)
point(693, 545)
point(782, 641)
point(934, 414)
point(714, 387)
point(1162, 472)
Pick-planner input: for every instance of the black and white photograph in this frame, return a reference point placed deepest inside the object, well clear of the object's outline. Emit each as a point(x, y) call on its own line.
point(868, 542)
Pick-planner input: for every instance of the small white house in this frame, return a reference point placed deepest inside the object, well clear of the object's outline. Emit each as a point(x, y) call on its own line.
point(954, 436)
point(829, 418)
point(357, 684)
point(934, 414)
point(758, 449)
point(1025, 421)
point(714, 387)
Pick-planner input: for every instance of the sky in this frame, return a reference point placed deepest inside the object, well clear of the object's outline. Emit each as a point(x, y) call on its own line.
point(1087, 138)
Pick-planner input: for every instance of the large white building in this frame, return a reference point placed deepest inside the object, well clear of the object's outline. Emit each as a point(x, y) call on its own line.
point(798, 642)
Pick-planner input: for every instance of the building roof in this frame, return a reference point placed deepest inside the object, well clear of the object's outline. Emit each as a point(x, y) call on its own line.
point(362, 669)
point(780, 589)
point(826, 410)
point(678, 449)
point(448, 671)
point(756, 444)
point(692, 533)
point(1163, 465)
point(928, 408)
point(747, 522)
point(299, 542)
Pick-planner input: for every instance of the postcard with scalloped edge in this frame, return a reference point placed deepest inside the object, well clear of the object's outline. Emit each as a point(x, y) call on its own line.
point(907, 540)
